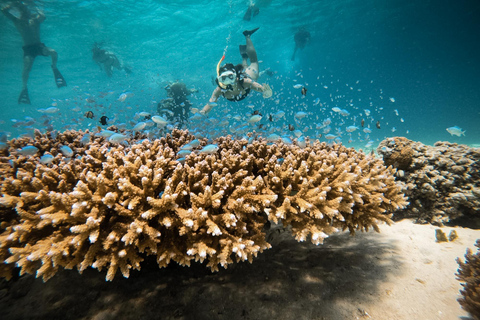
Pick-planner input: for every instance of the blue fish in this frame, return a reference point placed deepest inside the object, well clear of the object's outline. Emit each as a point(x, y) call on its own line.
point(28, 151)
point(66, 151)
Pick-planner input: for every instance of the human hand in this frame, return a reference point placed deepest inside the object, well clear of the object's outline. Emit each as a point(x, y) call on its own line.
point(267, 91)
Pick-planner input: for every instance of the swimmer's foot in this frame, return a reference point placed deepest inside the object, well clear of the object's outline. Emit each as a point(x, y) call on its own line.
point(247, 33)
point(243, 51)
point(24, 98)
point(59, 80)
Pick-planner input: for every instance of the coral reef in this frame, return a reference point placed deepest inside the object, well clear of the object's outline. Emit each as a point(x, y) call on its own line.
point(442, 181)
point(110, 205)
point(469, 274)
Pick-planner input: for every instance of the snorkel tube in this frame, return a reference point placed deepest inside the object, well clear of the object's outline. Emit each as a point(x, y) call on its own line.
point(221, 85)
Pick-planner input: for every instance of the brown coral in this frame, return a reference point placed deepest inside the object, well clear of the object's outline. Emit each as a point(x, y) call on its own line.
point(442, 181)
point(469, 275)
point(112, 205)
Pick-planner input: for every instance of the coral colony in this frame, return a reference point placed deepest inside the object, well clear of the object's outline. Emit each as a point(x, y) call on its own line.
point(110, 205)
point(441, 182)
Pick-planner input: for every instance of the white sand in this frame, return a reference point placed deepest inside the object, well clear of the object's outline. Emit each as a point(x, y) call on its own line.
point(399, 274)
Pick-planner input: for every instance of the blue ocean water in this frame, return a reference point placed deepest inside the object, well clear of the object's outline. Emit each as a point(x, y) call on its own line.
point(414, 64)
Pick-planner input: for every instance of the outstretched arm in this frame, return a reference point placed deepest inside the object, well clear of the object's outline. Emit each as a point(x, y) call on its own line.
point(6, 12)
point(265, 88)
point(215, 95)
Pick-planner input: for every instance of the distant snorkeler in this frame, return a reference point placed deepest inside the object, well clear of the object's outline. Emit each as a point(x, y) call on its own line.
point(235, 82)
point(254, 8)
point(28, 23)
point(107, 60)
point(302, 38)
point(177, 106)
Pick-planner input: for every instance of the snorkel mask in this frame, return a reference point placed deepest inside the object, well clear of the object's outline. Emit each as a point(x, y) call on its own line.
point(227, 78)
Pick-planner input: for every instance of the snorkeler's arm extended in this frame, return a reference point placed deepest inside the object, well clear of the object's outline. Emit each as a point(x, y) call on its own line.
point(265, 88)
point(6, 12)
point(215, 95)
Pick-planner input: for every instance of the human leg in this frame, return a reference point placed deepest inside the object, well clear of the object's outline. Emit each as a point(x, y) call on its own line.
point(27, 67)
point(253, 69)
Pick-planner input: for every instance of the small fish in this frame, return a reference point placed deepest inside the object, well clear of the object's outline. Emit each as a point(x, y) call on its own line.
point(209, 149)
point(344, 113)
point(85, 139)
point(301, 142)
point(270, 118)
point(182, 153)
point(351, 128)
point(66, 151)
point(28, 151)
point(213, 104)
point(291, 127)
point(254, 119)
point(392, 99)
point(304, 91)
point(362, 123)
point(144, 114)
point(105, 133)
point(256, 112)
point(49, 110)
point(336, 109)
point(46, 159)
point(192, 144)
point(273, 137)
point(124, 96)
point(300, 115)
point(279, 114)
point(330, 136)
point(298, 86)
point(367, 112)
point(367, 130)
point(316, 101)
point(160, 120)
point(378, 124)
point(117, 138)
point(103, 120)
point(139, 126)
point(89, 115)
point(456, 131)
point(396, 112)
point(297, 133)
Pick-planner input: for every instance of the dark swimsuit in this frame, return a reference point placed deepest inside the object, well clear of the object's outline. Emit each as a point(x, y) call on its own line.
point(34, 50)
point(241, 96)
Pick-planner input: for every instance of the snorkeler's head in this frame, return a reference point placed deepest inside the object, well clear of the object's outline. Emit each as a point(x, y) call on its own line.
point(227, 75)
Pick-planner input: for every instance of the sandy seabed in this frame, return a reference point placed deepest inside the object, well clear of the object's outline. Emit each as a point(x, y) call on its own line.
point(401, 273)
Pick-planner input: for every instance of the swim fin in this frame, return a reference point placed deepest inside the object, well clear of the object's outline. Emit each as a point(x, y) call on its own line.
point(59, 80)
point(243, 51)
point(248, 33)
point(248, 14)
point(23, 97)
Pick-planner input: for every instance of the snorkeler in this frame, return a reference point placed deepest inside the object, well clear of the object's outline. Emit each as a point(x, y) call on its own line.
point(28, 25)
point(177, 106)
point(235, 82)
point(107, 60)
point(302, 37)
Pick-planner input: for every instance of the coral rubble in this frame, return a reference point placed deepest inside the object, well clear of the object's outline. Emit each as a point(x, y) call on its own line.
point(110, 205)
point(442, 181)
point(469, 275)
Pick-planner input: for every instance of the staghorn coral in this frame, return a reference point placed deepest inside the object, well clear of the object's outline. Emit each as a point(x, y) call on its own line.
point(469, 274)
point(442, 181)
point(111, 205)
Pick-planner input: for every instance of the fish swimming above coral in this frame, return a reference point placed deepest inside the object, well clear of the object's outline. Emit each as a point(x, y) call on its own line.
point(456, 131)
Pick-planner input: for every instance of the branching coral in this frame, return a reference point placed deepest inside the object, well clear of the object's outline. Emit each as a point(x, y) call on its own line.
point(442, 182)
point(111, 205)
point(469, 275)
